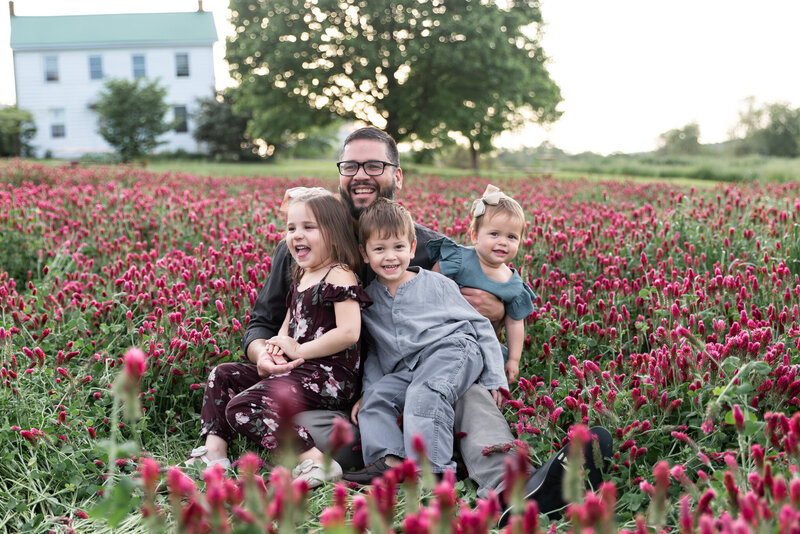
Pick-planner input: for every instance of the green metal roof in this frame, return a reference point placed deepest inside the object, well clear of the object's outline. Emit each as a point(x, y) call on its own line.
point(117, 29)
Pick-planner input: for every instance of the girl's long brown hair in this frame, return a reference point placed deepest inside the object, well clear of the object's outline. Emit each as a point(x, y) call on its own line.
point(337, 228)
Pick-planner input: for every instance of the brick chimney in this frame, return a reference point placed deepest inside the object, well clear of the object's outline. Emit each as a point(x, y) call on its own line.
point(11, 7)
point(199, 6)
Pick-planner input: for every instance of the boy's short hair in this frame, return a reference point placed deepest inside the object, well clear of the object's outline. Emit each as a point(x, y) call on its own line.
point(385, 218)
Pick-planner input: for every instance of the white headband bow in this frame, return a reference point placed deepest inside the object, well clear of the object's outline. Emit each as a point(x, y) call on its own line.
point(491, 196)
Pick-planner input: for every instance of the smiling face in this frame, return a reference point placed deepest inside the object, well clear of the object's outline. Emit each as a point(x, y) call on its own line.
point(389, 256)
point(361, 190)
point(497, 239)
point(304, 238)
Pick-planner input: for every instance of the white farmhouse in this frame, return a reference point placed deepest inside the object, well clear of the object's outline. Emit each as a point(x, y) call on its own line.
point(61, 63)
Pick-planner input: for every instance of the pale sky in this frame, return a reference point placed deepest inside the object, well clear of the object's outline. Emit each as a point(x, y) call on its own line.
point(629, 70)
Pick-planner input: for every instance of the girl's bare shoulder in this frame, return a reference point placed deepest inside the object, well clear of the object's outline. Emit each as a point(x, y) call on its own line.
point(342, 275)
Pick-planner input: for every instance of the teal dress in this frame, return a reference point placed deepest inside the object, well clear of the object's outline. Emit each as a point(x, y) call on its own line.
point(462, 265)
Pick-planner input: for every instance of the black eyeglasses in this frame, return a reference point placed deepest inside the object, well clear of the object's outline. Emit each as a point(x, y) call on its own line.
point(372, 167)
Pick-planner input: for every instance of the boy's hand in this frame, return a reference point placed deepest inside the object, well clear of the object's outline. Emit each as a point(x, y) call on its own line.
point(354, 411)
point(497, 396)
point(512, 371)
point(288, 345)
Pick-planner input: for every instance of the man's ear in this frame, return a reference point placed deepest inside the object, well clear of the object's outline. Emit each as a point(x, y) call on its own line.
point(398, 179)
point(363, 253)
point(413, 248)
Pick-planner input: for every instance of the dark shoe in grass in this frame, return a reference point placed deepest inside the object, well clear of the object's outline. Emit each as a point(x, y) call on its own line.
point(545, 485)
point(370, 472)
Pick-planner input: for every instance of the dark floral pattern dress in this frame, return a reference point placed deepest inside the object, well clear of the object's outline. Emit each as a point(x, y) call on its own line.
point(238, 401)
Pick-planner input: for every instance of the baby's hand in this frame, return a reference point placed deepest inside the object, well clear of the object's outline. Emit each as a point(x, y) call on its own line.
point(497, 396)
point(512, 371)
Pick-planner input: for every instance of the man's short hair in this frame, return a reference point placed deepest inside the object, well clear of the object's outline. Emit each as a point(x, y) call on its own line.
point(374, 134)
point(385, 218)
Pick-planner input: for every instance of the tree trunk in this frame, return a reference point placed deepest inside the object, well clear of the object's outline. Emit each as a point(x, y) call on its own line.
point(473, 153)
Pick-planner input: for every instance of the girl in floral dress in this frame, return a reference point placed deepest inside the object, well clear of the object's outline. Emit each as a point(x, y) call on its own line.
point(319, 335)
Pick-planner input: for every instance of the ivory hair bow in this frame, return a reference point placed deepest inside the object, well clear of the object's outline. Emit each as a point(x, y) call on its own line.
point(296, 192)
point(491, 196)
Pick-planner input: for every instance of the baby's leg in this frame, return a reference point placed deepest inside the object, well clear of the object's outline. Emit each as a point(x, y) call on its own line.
point(377, 419)
point(439, 381)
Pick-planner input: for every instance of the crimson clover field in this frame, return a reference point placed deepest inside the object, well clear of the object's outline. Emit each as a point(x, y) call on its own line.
point(667, 314)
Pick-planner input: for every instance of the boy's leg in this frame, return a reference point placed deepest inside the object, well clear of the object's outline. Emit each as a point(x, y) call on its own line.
point(481, 425)
point(439, 380)
point(377, 419)
point(319, 424)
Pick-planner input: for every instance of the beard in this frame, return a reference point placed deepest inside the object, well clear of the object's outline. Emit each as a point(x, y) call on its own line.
point(355, 211)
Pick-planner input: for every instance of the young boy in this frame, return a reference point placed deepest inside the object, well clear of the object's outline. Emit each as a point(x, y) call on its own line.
point(427, 347)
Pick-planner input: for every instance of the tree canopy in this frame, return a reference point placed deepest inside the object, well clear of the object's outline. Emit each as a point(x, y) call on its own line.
point(130, 116)
point(421, 69)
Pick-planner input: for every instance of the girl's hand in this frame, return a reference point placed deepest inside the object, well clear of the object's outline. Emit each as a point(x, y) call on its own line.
point(512, 371)
point(497, 396)
point(288, 345)
point(354, 411)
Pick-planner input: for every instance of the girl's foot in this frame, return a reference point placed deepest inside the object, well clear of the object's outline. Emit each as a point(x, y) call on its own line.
point(201, 454)
point(314, 473)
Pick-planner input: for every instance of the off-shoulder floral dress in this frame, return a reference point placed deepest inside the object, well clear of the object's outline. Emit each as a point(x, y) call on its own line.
point(237, 400)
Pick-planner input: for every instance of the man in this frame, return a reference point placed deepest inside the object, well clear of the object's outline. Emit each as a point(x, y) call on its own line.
point(369, 168)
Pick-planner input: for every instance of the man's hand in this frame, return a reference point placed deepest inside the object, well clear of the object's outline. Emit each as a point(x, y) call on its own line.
point(354, 411)
point(487, 304)
point(271, 364)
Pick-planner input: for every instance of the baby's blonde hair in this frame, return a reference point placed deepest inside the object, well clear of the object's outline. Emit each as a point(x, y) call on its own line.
point(505, 205)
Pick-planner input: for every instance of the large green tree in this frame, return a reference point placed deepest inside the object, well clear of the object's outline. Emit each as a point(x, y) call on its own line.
point(130, 116)
point(422, 69)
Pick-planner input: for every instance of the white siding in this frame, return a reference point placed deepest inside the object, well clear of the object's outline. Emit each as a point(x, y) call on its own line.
point(75, 91)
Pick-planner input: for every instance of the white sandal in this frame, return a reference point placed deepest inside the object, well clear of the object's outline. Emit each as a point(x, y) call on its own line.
point(314, 472)
point(200, 452)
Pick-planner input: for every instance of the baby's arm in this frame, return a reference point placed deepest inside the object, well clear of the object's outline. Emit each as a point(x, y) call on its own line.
point(345, 334)
point(515, 334)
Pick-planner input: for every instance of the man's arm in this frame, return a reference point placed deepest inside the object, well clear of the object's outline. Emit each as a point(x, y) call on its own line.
point(269, 309)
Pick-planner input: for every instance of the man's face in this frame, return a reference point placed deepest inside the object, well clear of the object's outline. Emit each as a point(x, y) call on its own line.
point(361, 190)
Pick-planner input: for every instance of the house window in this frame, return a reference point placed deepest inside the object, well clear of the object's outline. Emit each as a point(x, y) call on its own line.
point(57, 126)
point(181, 119)
point(96, 67)
point(51, 68)
point(138, 65)
point(182, 65)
